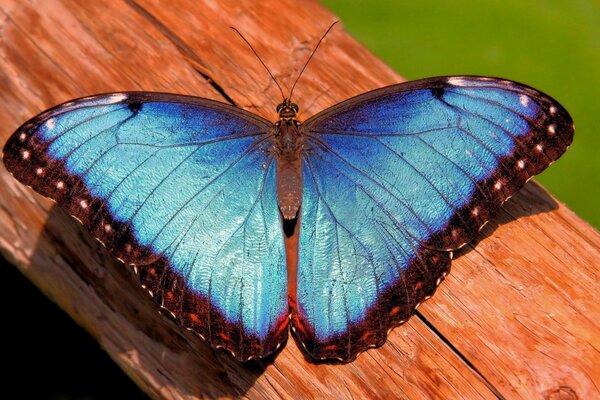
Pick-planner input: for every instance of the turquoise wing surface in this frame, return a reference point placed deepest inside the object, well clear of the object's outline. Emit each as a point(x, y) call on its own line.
point(184, 189)
point(394, 180)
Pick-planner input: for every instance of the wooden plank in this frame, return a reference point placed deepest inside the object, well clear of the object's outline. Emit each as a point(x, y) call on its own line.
point(53, 51)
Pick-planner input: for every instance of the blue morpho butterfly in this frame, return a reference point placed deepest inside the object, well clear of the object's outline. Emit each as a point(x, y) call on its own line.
point(196, 195)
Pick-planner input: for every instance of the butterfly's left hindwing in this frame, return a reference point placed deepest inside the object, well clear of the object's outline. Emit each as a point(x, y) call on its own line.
point(184, 188)
point(397, 178)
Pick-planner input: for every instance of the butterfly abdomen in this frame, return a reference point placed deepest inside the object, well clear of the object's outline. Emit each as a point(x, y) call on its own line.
point(289, 187)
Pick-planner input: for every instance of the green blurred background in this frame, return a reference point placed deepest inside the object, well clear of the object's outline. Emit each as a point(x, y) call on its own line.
point(552, 45)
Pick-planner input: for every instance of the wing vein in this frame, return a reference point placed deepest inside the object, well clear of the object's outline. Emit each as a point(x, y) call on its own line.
point(400, 226)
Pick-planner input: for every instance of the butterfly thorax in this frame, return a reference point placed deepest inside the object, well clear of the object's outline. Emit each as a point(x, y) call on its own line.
point(288, 146)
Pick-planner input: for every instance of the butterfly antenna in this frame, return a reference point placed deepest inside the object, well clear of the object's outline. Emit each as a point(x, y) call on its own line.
point(311, 56)
point(261, 61)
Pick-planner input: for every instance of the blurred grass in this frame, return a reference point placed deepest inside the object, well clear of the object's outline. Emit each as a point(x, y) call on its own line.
point(552, 45)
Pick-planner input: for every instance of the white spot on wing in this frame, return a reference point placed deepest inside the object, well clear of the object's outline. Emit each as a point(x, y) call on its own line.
point(539, 147)
point(521, 164)
point(551, 129)
point(116, 98)
point(83, 204)
point(107, 228)
point(39, 171)
point(22, 137)
point(498, 185)
point(552, 110)
point(457, 82)
point(26, 154)
point(60, 185)
point(475, 211)
point(51, 123)
point(524, 100)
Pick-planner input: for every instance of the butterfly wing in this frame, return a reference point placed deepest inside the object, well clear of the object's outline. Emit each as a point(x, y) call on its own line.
point(184, 189)
point(397, 178)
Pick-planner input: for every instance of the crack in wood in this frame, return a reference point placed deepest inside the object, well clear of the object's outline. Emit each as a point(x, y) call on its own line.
point(186, 51)
point(459, 354)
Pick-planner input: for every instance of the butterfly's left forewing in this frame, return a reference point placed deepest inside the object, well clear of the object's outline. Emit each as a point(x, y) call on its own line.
point(397, 178)
point(181, 187)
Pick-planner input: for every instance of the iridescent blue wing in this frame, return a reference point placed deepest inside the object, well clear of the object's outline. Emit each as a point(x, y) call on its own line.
point(397, 178)
point(184, 189)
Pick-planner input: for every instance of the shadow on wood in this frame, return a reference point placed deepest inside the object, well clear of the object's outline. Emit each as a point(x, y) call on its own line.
point(532, 199)
point(64, 359)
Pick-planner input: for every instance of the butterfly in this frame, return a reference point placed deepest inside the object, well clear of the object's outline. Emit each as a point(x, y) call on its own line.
point(200, 197)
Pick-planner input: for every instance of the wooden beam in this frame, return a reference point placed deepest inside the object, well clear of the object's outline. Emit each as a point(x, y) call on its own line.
point(515, 318)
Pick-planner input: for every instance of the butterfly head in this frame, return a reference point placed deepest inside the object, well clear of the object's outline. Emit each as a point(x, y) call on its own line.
point(287, 110)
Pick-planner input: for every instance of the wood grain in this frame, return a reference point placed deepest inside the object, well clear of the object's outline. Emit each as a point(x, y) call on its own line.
point(516, 317)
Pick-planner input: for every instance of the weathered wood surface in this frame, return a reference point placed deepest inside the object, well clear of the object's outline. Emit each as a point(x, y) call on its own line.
point(517, 317)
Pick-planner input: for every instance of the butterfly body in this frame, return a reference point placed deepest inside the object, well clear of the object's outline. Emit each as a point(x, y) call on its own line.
point(384, 186)
point(288, 147)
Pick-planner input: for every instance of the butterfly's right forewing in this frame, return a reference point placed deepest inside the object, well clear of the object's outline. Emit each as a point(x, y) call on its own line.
point(184, 188)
